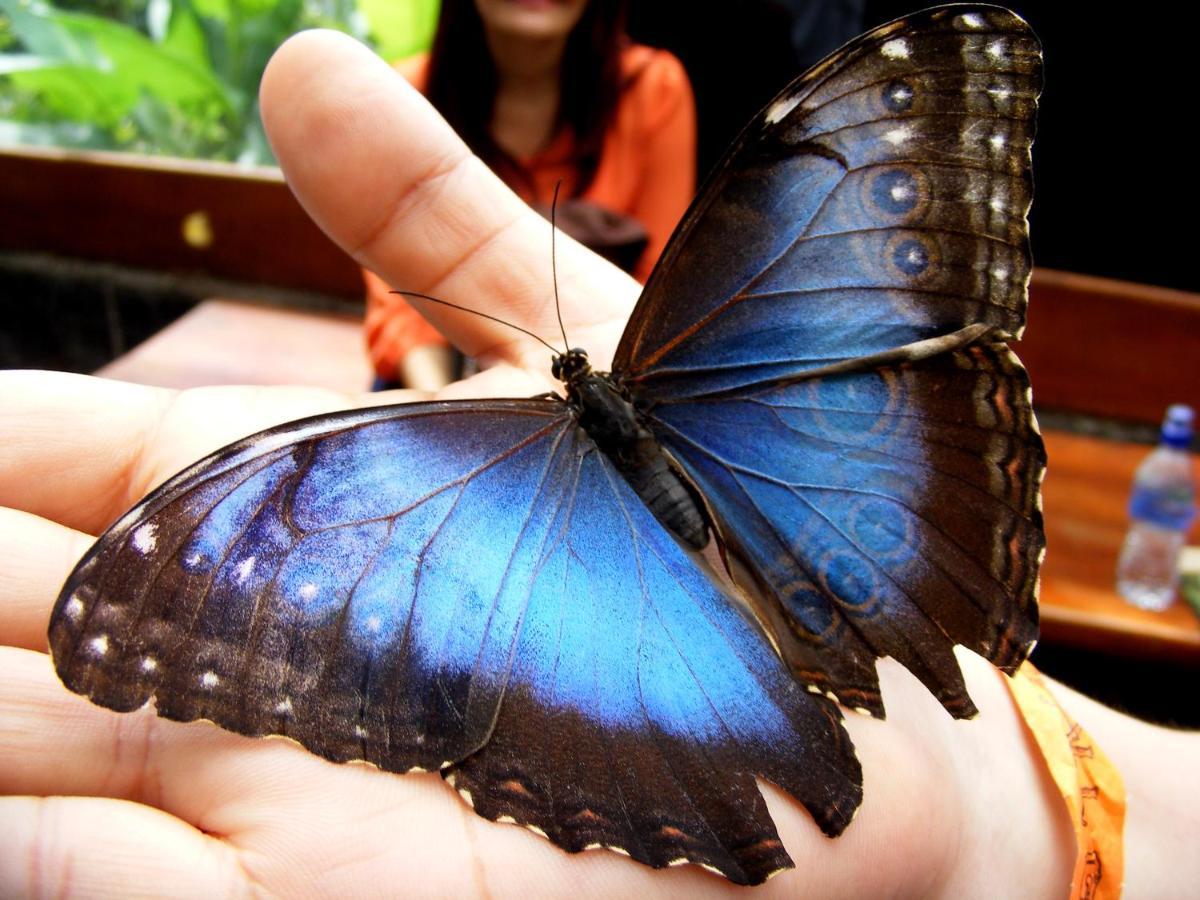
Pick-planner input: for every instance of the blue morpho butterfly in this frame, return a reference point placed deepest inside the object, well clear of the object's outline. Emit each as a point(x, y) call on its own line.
point(816, 372)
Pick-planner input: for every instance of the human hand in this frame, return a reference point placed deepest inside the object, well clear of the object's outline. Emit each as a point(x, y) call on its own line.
point(98, 802)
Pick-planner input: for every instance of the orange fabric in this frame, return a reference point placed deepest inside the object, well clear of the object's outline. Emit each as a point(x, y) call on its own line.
point(1090, 785)
point(647, 170)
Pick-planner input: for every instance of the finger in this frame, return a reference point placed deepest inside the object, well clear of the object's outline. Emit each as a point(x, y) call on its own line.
point(55, 742)
point(88, 448)
point(36, 556)
point(387, 178)
point(78, 438)
point(268, 797)
point(87, 847)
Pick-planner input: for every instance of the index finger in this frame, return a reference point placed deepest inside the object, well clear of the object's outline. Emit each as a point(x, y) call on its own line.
point(384, 175)
point(80, 450)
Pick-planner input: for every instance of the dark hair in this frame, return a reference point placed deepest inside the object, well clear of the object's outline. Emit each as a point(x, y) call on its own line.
point(462, 84)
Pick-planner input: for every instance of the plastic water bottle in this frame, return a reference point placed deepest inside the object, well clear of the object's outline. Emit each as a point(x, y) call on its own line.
point(1162, 506)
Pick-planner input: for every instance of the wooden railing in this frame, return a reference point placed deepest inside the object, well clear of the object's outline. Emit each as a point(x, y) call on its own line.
point(217, 219)
point(1111, 348)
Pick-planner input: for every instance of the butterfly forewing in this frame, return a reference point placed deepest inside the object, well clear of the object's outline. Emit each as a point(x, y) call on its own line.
point(878, 201)
point(878, 507)
point(306, 582)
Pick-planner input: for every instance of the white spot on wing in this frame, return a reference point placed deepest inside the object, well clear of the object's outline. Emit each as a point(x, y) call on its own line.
point(99, 644)
point(209, 679)
point(996, 49)
point(901, 94)
point(898, 136)
point(779, 110)
point(1000, 93)
point(374, 623)
point(284, 707)
point(971, 20)
point(998, 141)
point(74, 607)
point(901, 192)
point(245, 567)
point(360, 732)
point(308, 590)
point(1000, 273)
point(149, 663)
point(897, 48)
point(144, 539)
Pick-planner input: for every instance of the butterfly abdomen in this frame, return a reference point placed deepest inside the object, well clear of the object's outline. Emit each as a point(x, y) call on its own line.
point(611, 421)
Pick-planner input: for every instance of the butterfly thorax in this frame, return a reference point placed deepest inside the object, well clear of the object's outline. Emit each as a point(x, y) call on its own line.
point(611, 420)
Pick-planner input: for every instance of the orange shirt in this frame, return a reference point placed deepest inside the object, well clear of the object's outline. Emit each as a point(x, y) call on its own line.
point(647, 170)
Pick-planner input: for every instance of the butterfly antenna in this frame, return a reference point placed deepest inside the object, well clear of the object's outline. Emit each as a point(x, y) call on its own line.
point(476, 312)
point(554, 261)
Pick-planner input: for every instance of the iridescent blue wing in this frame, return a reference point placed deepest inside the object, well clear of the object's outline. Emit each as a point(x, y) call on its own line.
point(821, 350)
point(464, 587)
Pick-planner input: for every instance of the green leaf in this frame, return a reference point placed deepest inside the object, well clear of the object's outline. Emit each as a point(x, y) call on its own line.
point(185, 38)
point(21, 62)
point(76, 93)
point(123, 62)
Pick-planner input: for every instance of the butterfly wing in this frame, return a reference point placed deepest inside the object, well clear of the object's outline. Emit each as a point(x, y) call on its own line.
point(805, 352)
point(468, 587)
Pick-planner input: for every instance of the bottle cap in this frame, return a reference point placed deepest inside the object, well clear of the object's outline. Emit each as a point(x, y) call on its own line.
point(1177, 426)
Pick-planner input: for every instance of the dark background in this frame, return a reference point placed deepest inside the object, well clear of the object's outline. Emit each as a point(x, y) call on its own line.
point(1115, 152)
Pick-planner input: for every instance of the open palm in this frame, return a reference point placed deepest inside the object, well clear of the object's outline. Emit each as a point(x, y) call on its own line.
point(101, 803)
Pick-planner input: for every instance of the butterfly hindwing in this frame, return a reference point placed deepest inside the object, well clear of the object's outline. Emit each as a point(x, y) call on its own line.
point(469, 587)
point(881, 500)
point(643, 704)
point(903, 519)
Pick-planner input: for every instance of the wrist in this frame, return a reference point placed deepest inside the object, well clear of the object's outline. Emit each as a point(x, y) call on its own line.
point(1158, 766)
point(953, 808)
point(1020, 829)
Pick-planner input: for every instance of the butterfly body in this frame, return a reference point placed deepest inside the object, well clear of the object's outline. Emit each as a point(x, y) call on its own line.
point(611, 419)
point(500, 590)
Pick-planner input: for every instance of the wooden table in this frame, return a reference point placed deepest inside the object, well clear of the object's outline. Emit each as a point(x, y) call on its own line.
point(233, 342)
point(1085, 495)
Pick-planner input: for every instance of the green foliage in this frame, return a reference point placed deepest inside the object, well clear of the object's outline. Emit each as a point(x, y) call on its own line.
point(400, 28)
point(183, 82)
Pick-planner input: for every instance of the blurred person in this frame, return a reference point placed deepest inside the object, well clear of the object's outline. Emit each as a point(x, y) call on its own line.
point(543, 91)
